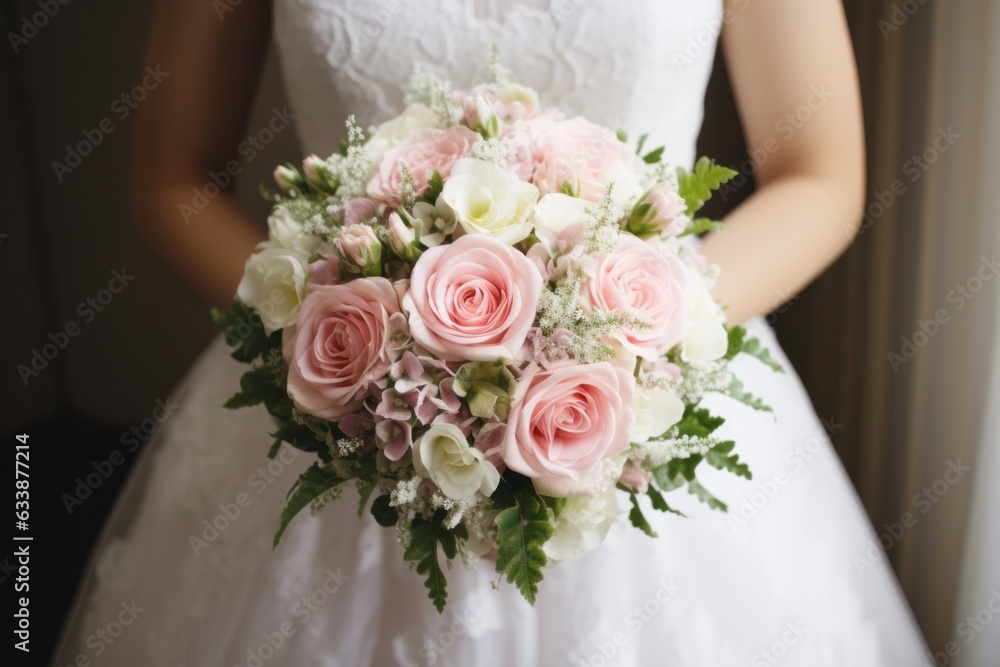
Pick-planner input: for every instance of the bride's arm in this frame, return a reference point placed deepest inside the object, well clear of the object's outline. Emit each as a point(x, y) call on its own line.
point(790, 57)
point(192, 125)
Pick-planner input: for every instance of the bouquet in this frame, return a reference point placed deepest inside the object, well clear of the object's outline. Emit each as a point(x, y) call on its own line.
point(490, 319)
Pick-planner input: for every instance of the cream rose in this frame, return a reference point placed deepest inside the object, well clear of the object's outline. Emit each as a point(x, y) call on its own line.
point(582, 524)
point(443, 455)
point(656, 410)
point(488, 200)
point(274, 284)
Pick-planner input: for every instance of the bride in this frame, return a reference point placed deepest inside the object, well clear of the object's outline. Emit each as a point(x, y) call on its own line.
point(185, 574)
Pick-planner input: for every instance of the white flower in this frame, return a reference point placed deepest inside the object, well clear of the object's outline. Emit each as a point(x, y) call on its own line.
point(582, 524)
point(559, 221)
point(433, 223)
point(391, 132)
point(520, 100)
point(443, 455)
point(286, 232)
point(627, 180)
point(706, 338)
point(656, 409)
point(488, 200)
point(274, 284)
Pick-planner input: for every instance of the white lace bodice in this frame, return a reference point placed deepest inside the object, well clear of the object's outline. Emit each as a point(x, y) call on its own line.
point(640, 65)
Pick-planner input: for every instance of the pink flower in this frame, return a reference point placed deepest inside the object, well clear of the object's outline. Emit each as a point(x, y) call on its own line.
point(325, 271)
point(658, 213)
point(644, 280)
point(577, 151)
point(340, 347)
point(472, 300)
point(635, 477)
point(564, 422)
point(359, 210)
point(424, 152)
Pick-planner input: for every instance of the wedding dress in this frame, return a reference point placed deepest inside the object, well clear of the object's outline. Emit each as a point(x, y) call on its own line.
point(186, 558)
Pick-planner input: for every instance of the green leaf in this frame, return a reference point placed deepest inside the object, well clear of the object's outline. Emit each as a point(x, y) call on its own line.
point(256, 386)
point(696, 186)
point(244, 333)
point(698, 422)
point(737, 335)
point(654, 156)
point(700, 226)
point(384, 513)
point(311, 484)
point(570, 189)
point(435, 184)
point(522, 531)
point(753, 347)
point(659, 503)
point(423, 551)
point(737, 392)
point(642, 142)
point(622, 136)
point(703, 494)
point(638, 519)
point(668, 480)
point(721, 457)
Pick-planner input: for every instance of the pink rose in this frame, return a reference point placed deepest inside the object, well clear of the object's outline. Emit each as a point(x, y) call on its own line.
point(586, 155)
point(563, 424)
point(340, 348)
point(472, 300)
point(359, 210)
point(644, 280)
point(424, 152)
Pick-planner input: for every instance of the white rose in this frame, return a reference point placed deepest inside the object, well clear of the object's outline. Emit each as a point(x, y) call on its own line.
point(582, 524)
point(285, 232)
point(488, 200)
point(443, 455)
point(391, 132)
point(274, 284)
point(656, 410)
point(706, 338)
point(558, 218)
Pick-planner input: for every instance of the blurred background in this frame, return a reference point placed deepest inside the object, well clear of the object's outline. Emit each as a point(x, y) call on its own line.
point(897, 343)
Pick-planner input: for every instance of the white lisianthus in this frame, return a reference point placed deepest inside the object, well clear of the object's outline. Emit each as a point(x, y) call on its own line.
point(443, 455)
point(512, 94)
point(488, 200)
point(706, 338)
point(391, 132)
point(274, 284)
point(656, 409)
point(627, 180)
point(559, 220)
point(433, 223)
point(582, 524)
point(285, 231)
